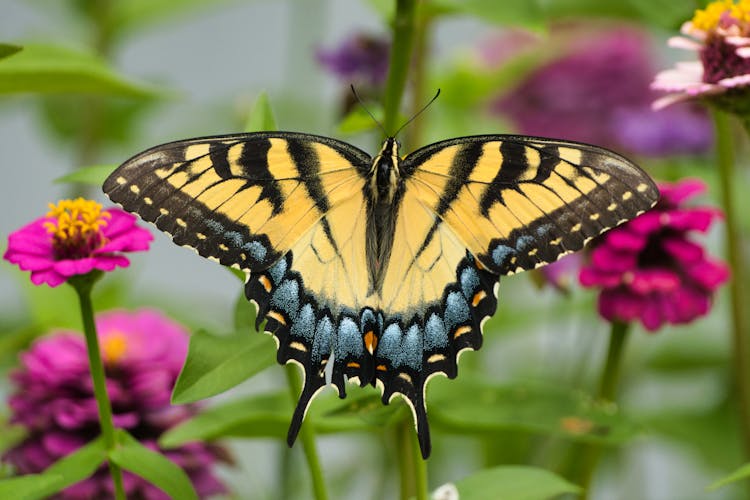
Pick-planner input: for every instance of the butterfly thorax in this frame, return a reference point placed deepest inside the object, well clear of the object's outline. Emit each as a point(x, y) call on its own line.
point(385, 186)
point(384, 173)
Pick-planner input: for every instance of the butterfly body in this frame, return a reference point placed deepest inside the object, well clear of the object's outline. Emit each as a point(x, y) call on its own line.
point(385, 267)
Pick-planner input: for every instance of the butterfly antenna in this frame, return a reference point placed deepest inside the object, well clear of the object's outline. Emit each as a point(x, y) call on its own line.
point(418, 113)
point(362, 103)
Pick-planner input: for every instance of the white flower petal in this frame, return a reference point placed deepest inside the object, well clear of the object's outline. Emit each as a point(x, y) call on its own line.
point(735, 81)
point(680, 42)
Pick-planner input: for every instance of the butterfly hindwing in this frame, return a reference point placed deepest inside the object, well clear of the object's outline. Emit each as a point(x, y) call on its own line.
point(520, 202)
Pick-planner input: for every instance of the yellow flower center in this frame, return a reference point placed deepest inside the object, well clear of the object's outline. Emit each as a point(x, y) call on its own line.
point(76, 232)
point(720, 13)
point(114, 347)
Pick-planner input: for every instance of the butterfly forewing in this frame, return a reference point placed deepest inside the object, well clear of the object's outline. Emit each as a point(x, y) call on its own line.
point(521, 202)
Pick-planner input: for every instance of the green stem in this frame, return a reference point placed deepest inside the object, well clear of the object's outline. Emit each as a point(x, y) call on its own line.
point(412, 468)
point(307, 438)
point(738, 302)
point(590, 454)
point(83, 285)
point(403, 36)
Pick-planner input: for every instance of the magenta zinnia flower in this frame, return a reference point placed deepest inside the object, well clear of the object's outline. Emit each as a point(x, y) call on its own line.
point(720, 35)
point(650, 270)
point(598, 92)
point(53, 400)
point(75, 237)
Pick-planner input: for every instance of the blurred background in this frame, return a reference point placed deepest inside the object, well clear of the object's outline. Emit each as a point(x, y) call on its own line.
point(194, 68)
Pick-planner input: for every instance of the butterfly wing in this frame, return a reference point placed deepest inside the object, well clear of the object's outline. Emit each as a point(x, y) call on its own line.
point(475, 208)
point(518, 202)
point(286, 208)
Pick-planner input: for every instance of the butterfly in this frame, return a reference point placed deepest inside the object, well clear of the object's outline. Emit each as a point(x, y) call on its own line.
point(385, 268)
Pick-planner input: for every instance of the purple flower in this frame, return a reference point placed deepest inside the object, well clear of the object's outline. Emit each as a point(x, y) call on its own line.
point(720, 35)
point(361, 60)
point(649, 269)
point(75, 237)
point(54, 401)
point(599, 92)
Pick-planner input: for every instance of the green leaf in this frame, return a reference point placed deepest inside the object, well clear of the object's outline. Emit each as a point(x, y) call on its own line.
point(739, 474)
point(65, 472)
point(54, 69)
point(29, 487)
point(244, 313)
point(514, 483)
point(80, 464)
point(217, 363)
point(471, 406)
point(7, 50)
point(265, 415)
point(152, 466)
point(261, 117)
point(89, 176)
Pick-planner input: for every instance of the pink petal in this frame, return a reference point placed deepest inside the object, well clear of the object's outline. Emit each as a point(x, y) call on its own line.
point(709, 274)
point(620, 305)
point(50, 277)
point(683, 250)
point(623, 239)
point(646, 281)
point(681, 191)
point(71, 267)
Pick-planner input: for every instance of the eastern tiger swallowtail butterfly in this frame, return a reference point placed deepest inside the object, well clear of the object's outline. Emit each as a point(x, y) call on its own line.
point(385, 267)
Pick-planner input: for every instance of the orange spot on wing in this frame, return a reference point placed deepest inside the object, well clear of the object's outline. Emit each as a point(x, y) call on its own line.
point(371, 341)
point(461, 330)
point(263, 279)
point(478, 297)
point(352, 364)
point(277, 316)
point(381, 368)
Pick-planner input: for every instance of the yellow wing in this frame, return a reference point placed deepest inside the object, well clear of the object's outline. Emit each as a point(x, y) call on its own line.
point(521, 202)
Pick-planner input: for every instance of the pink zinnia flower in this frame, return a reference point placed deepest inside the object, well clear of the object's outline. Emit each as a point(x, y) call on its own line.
point(650, 270)
point(75, 237)
point(53, 400)
point(720, 35)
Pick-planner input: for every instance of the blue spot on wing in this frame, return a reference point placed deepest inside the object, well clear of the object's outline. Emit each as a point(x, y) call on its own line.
point(286, 298)
point(412, 349)
point(278, 270)
point(436, 336)
point(256, 250)
point(469, 282)
point(456, 310)
point(349, 340)
point(502, 253)
point(304, 326)
point(323, 338)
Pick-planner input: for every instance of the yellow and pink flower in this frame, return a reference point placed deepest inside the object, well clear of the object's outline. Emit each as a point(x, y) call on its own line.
point(75, 237)
point(720, 37)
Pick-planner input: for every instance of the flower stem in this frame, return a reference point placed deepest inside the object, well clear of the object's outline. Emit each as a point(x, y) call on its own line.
point(412, 468)
point(740, 332)
point(591, 453)
point(307, 437)
point(83, 285)
point(403, 37)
